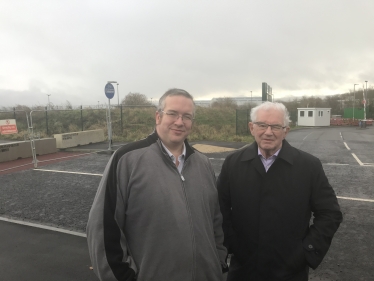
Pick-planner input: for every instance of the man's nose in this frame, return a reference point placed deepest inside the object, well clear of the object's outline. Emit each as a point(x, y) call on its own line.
point(179, 121)
point(268, 131)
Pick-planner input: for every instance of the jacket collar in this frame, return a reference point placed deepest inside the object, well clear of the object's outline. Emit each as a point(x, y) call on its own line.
point(155, 138)
point(286, 153)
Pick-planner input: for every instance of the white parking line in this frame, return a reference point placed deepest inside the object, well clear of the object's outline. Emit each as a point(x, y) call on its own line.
point(307, 136)
point(68, 172)
point(358, 160)
point(355, 199)
point(43, 227)
point(346, 145)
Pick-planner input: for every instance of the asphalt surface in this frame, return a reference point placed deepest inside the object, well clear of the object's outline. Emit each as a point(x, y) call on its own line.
point(59, 195)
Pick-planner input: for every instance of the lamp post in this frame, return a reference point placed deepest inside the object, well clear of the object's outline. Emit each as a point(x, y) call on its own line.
point(118, 94)
point(366, 91)
point(49, 105)
point(251, 96)
point(354, 100)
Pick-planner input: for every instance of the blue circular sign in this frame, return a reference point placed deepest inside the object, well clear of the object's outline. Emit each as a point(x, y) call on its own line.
point(109, 90)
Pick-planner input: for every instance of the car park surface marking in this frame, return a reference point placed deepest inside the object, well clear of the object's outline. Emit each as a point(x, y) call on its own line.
point(43, 227)
point(358, 160)
point(356, 199)
point(68, 172)
point(346, 145)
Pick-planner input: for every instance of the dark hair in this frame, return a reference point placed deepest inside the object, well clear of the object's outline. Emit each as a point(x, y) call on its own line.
point(174, 92)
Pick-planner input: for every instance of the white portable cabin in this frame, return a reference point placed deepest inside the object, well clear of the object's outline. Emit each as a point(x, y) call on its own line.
point(313, 116)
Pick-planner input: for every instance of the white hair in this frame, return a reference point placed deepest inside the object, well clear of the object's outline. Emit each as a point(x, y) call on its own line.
point(271, 105)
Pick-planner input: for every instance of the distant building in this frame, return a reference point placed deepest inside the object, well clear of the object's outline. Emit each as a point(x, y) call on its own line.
point(203, 103)
point(313, 116)
point(238, 100)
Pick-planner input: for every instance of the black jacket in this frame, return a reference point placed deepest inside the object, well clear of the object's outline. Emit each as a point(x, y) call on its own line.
point(266, 216)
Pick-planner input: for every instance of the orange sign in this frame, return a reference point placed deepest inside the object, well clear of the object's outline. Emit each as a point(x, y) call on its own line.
point(8, 127)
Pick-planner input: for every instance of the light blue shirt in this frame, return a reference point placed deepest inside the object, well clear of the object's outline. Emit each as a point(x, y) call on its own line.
point(180, 157)
point(268, 161)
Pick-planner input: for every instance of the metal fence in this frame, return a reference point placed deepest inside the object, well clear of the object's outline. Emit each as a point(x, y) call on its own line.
point(242, 120)
point(47, 122)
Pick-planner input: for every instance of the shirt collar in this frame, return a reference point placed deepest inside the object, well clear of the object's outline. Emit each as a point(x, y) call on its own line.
point(171, 154)
point(274, 155)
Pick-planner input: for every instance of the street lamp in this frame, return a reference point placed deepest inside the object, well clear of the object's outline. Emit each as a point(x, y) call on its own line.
point(354, 100)
point(366, 92)
point(118, 94)
point(49, 105)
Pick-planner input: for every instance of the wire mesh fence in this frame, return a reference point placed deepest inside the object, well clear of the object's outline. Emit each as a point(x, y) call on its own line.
point(242, 120)
point(47, 122)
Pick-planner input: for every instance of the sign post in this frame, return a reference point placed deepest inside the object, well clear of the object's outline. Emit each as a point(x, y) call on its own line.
point(109, 92)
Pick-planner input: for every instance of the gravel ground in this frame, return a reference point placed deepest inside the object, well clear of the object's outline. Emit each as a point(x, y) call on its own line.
point(64, 200)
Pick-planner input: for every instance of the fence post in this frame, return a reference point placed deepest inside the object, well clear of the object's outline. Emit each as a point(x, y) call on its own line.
point(248, 112)
point(121, 121)
point(82, 117)
point(236, 121)
point(46, 120)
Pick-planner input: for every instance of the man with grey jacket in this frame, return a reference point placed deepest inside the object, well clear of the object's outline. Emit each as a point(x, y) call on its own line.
point(156, 214)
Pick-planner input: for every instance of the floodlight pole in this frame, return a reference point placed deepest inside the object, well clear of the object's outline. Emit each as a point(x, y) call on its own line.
point(109, 127)
point(354, 100)
point(49, 105)
point(118, 94)
point(365, 99)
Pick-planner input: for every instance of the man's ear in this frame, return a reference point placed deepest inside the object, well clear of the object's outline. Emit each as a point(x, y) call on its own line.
point(158, 117)
point(286, 132)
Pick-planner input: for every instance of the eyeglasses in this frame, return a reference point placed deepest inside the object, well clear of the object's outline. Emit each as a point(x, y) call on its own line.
point(186, 118)
point(263, 126)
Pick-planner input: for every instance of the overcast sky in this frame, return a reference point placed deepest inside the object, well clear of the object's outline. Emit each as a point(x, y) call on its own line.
point(69, 49)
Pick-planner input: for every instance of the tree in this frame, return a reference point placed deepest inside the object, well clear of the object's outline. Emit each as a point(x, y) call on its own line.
point(335, 103)
point(225, 103)
point(247, 105)
point(135, 99)
point(68, 105)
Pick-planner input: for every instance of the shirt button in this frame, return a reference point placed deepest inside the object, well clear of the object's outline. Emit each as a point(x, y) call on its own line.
point(310, 246)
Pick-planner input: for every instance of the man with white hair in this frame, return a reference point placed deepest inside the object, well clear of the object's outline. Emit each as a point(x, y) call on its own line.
point(268, 192)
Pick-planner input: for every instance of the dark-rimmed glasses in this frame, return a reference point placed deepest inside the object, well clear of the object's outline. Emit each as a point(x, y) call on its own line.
point(186, 118)
point(263, 126)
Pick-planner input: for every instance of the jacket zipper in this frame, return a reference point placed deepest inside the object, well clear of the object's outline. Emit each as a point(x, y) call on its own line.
point(191, 224)
point(189, 215)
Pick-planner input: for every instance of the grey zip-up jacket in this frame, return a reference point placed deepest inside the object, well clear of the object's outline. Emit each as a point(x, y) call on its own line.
point(150, 222)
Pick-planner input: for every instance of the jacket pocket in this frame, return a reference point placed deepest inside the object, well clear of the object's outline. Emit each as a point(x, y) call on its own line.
point(294, 256)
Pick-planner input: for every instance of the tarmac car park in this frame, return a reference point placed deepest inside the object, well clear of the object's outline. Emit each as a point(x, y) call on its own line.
point(43, 211)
